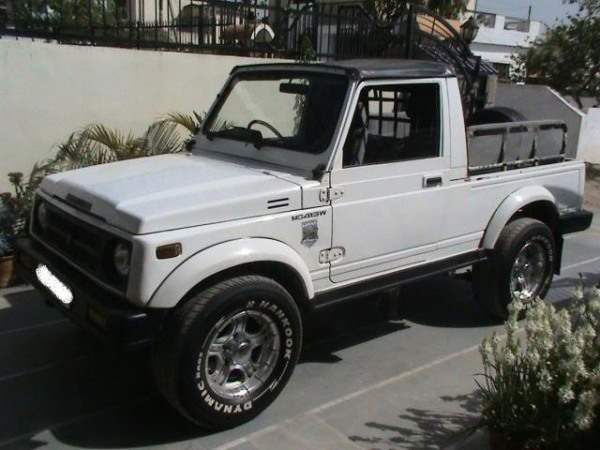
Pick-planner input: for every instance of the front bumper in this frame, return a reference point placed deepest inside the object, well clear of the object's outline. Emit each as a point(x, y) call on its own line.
point(94, 308)
point(575, 221)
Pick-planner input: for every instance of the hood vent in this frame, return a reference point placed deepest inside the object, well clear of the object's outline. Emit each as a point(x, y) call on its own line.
point(278, 203)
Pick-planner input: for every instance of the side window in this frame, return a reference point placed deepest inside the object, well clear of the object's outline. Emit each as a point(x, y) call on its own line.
point(394, 123)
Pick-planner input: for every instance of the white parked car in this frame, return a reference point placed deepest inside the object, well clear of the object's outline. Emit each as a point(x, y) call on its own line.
point(308, 184)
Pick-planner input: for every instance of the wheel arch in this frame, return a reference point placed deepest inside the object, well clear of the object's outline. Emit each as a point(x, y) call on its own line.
point(257, 256)
point(536, 202)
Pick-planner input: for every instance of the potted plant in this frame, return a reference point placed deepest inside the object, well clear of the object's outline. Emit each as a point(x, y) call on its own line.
point(14, 214)
point(7, 239)
point(544, 393)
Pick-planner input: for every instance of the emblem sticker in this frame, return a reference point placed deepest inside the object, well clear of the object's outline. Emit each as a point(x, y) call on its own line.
point(310, 232)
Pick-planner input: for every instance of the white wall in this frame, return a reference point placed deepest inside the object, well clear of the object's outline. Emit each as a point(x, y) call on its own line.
point(499, 54)
point(48, 91)
point(537, 102)
point(590, 136)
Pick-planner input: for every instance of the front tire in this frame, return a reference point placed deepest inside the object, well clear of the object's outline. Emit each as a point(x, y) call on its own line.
point(521, 267)
point(227, 353)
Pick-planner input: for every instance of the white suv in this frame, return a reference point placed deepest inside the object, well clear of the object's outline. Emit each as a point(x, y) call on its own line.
point(308, 184)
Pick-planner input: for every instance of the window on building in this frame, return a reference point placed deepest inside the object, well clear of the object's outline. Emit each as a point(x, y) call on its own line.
point(486, 20)
point(394, 123)
point(516, 24)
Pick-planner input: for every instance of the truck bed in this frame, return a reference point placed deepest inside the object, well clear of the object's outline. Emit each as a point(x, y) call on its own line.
point(513, 145)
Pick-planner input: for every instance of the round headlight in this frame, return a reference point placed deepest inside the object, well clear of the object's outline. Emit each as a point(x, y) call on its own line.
point(122, 259)
point(42, 216)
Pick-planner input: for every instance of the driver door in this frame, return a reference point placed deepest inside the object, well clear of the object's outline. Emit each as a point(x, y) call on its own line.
point(391, 210)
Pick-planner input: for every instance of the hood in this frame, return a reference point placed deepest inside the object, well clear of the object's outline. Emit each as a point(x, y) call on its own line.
point(167, 192)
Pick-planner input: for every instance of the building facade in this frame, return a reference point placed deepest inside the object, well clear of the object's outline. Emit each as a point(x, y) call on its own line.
point(501, 38)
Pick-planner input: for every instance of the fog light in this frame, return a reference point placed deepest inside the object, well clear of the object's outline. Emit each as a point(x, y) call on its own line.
point(54, 285)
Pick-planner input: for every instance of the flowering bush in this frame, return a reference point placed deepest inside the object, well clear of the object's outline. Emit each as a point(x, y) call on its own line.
point(545, 393)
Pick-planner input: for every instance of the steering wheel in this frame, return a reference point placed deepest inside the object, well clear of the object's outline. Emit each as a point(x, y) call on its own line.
point(265, 124)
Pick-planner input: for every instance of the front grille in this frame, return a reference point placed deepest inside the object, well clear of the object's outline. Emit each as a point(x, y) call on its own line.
point(83, 245)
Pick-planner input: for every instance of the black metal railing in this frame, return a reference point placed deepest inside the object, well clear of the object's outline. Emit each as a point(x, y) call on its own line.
point(323, 31)
point(247, 27)
point(200, 25)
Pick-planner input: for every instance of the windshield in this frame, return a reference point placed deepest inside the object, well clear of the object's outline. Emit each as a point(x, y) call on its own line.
point(293, 111)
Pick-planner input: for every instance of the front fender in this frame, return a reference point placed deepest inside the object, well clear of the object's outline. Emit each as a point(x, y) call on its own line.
point(509, 206)
point(213, 260)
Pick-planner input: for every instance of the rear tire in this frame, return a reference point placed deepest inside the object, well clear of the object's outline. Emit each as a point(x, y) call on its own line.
point(227, 353)
point(520, 266)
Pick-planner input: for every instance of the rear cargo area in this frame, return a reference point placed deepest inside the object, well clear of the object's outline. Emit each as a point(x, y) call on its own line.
point(505, 146)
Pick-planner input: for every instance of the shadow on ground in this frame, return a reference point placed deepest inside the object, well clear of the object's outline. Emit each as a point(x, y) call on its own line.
point(423, 429)
point(443, 302)
point(93, 399)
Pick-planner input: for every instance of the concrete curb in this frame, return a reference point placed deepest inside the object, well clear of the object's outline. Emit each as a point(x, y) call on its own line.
point(15, 289)
point(476, 441)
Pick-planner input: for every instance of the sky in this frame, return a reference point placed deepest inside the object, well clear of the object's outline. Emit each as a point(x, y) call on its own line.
point(546, 11)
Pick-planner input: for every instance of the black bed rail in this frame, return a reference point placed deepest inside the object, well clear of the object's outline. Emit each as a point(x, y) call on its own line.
point(505, 146)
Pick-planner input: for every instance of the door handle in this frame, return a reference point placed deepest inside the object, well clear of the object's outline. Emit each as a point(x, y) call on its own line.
point(432, 181)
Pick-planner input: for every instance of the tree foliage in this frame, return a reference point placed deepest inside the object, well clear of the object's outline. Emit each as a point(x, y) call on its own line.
point(567, 58)
point(448, 8)
point(390, 10)
point(71, 13)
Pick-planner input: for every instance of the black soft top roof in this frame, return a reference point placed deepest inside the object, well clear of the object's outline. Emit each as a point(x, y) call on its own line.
point(361, 69)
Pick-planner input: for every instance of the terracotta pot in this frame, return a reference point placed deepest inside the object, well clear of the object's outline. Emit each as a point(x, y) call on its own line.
point(499, 441)
point(7, 271)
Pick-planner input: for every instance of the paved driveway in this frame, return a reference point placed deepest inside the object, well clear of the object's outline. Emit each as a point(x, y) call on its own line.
point(367, 378)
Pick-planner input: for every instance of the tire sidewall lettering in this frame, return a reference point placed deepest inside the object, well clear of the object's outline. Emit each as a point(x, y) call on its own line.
point(219, 405)
point(283, 320)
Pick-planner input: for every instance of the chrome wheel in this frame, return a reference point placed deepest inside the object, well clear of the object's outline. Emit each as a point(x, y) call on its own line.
point(241, 353)
point(529, 272)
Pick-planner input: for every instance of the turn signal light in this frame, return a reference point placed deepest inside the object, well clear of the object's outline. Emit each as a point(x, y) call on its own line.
point(168, 251)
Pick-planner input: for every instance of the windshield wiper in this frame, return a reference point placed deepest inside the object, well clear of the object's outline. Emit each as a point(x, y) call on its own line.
point(268, 141)
point(249, 135)
point(238, 133)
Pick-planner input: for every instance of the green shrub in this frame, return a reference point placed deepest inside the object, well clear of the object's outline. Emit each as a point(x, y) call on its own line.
point(7, 219)
point(544, 393)
point(92, 145)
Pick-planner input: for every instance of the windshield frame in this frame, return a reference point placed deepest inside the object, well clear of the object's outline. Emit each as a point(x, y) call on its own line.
point(267, 152)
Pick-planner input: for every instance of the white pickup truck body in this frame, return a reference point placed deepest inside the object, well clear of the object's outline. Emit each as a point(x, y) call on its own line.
point(323, 228)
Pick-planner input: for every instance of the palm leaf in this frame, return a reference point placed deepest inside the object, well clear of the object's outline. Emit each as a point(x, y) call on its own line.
point(160, 138)
point(82, 149)
point(191, 122)
point(115, 145)
point(98, 144)
point(114, 140)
